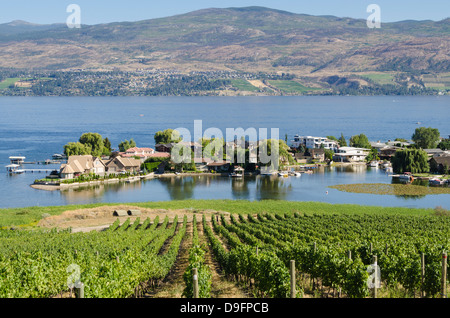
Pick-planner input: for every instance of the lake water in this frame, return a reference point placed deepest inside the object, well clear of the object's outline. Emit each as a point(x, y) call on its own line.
point(37, 127)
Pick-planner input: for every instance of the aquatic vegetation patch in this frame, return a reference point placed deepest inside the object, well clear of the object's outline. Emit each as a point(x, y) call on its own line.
point(391, 189)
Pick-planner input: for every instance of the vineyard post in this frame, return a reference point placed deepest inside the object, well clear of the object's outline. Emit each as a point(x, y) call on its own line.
point(422, 292)
point(195, 280)
point(350, 254)
point(444, 275)
point(375, 280)
point(79, 291)
point(292, 270)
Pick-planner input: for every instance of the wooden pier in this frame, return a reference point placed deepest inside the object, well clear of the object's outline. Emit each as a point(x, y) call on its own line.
point(39, 170)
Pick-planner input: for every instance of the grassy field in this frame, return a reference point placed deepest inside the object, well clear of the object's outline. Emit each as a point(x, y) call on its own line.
point(31, 215)
point(243, 85)
point(380, 78)
point(290, 86)
point(7, 82)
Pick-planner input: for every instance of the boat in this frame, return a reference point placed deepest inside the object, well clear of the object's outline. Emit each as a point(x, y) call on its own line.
point(297, 174)
point(17, 160)
point(14, 169)
point(58, 156)
point(407, 176)
point(436, 181)
point(283, 174)
point(373, 164)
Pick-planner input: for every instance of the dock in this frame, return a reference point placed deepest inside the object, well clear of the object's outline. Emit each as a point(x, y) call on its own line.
point(38, 170)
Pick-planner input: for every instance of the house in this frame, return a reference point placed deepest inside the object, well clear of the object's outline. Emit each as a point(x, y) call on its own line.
point(350, 154)
point(301, 157)
point(121, 165)
point(82, 164)
point(309, 155)
point(435, 152)
point(388, 152)
point(318, 154)
point(311, 142)
point(165, 147)
point(220, 166)
point(142, 153)
point(440, 164)
point(202, 164)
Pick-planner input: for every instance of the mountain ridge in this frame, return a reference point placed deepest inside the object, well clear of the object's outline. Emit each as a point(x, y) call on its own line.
point(244, 40)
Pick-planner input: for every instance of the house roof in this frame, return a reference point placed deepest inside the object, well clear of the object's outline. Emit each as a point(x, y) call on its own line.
point(137, 149)
point(218, 164)
point(159, 154)
point(82, 162)
point(67, 169)
point(442, 160)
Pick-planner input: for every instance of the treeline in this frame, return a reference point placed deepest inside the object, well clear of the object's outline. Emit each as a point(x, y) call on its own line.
point(186, 85)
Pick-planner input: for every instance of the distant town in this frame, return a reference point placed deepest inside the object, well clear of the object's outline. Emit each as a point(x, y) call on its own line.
point(92, 159)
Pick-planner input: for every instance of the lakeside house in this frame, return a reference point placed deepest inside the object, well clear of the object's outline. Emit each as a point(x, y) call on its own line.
point(436, 152)
point(87, 164)
point(82, 164)
point(311, 142)
point(309, 155)
point(122, 165)
point(350, 154)
point(440, 164)
point(220, 166)
point(142, 153)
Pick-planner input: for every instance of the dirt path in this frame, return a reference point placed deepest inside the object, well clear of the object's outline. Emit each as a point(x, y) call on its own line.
point(173, 285)
point(220, 287)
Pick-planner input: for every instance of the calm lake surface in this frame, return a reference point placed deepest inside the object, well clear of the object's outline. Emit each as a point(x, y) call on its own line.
point(38, 127)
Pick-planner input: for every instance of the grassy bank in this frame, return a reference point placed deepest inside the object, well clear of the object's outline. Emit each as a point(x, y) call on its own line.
point(391, 189)
point(31, 215)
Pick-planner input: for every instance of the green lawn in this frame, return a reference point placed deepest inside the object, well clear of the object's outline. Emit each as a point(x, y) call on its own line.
point(243, 85)
point(30, 216)
point(7, 82)
point(291, 86)
point(380, 78)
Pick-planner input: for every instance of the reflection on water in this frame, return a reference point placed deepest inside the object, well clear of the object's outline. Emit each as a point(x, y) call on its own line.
point(273, 187)
point(308, 187)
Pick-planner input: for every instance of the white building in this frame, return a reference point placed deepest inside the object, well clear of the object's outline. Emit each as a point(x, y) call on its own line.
point(311, 142)
point(350, 154)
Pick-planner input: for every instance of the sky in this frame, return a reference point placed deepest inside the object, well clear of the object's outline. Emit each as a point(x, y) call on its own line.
point(105, 11)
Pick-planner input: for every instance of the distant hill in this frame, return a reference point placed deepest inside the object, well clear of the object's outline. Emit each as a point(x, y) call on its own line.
point(249, 39)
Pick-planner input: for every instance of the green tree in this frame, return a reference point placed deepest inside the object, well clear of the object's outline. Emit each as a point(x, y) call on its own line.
point(332, 138)
point(444, 144)
point(125, 145)
point(426, 138)
point(106, 147)
point(342, 142)
point(410, 160)
point(360, 141)
point(76, 148)
point(167, 136)
point(373, 155)
point(329, 154)
point(94, 141)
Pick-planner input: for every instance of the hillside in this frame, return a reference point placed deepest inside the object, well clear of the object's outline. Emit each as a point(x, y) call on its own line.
point(318, 51)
